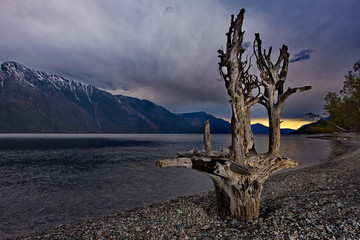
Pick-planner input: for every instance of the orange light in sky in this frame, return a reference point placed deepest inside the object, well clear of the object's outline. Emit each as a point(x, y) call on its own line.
point(292, 123)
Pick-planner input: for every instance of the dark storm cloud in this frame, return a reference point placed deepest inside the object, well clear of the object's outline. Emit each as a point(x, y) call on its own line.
point(169, 9)
point(129, 47)
point(246, 45)
point(166, 51)
point(302, 55)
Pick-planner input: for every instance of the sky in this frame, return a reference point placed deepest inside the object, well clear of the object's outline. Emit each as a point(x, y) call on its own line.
point(166, 50)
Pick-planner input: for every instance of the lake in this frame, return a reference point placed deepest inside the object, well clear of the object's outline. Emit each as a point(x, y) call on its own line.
point(51, 179)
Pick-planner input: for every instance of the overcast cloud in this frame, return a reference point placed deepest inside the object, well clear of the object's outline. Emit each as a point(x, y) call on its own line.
point(302, 55)
point(166, 51)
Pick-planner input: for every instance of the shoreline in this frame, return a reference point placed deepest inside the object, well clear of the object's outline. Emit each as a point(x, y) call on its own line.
point(316, 202)
point(338, 136)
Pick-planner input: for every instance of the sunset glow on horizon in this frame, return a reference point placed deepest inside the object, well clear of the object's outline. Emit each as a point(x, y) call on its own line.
point(292, 123)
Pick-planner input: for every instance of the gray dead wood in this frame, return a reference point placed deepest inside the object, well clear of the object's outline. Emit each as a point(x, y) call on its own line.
point(207, 144)
point(239, 172)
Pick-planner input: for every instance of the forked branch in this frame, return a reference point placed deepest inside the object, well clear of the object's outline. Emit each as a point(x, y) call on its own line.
point(273, 76)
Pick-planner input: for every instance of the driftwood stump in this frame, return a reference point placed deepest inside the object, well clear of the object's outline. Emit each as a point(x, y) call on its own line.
point(239, 172)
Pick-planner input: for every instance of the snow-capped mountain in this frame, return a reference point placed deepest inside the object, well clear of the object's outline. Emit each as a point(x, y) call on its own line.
point(34, 101)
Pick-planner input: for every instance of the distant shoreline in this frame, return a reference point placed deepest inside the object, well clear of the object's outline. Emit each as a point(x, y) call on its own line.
point(338, 136)
point(321, 201)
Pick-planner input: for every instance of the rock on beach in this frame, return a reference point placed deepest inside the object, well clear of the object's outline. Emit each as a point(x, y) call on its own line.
point(319, 202)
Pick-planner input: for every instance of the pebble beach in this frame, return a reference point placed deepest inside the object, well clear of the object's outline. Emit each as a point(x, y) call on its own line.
point(319, 202)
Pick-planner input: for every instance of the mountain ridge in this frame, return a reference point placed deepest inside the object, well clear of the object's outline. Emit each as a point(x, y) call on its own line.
point(33, 101)
point(197, 119)
point(258, 128)
point(320, 126)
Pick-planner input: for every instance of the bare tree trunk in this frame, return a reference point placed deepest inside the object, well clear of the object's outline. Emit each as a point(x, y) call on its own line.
point(274, 135)
point(207, 143)
point(234, 73)
point(249, 136)
point(238, 148)
point(273, 77)
point(239, 172)
point(274, 114)
point(239, 200)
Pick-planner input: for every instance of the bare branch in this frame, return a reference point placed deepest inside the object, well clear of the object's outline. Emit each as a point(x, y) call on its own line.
point(252, 101)
point(207, 165)
point(291, 91)
point(190, 154)
point(260, 60)
point(175, 162)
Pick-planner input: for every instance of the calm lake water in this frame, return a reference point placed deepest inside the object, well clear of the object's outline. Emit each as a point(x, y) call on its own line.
point(51, 179)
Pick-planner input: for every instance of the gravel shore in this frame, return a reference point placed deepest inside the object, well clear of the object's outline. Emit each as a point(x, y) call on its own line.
point(319, 202)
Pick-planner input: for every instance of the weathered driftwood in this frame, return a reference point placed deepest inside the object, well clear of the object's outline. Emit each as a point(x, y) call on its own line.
point(210, 165)
point(238, 172)
point(207, 144)
point(238, 187)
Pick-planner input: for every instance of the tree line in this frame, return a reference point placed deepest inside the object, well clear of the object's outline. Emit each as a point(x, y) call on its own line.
point(343, 108)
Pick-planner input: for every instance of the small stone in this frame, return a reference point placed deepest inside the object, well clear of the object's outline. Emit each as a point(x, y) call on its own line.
point(179, 211)
point(319, 227)
point(342, 237)
point(293, 237)
point(328, 229)
point(354, 223)
point(234, 222)
point(206, 227)
point(339, 204)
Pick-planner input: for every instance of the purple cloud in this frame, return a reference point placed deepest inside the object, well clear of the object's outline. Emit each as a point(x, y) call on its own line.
point(302, 55)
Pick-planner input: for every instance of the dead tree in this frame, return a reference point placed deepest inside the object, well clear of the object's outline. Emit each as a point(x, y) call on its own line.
point(238, 172)
point(272, 79)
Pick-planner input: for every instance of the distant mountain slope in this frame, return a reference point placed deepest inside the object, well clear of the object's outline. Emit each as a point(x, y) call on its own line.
point(258, 128)
point(36, 102)
point(158, 117)
point(218, 125)
point(33, 101)
point(197, 119)
point(286, 131)
point(321, 126)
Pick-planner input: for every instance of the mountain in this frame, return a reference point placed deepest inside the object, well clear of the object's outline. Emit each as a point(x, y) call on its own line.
point(286, 131)
point(218, 125)
point(258, 128)
point(197, 119)
point(320, 126)
point(34, 101)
